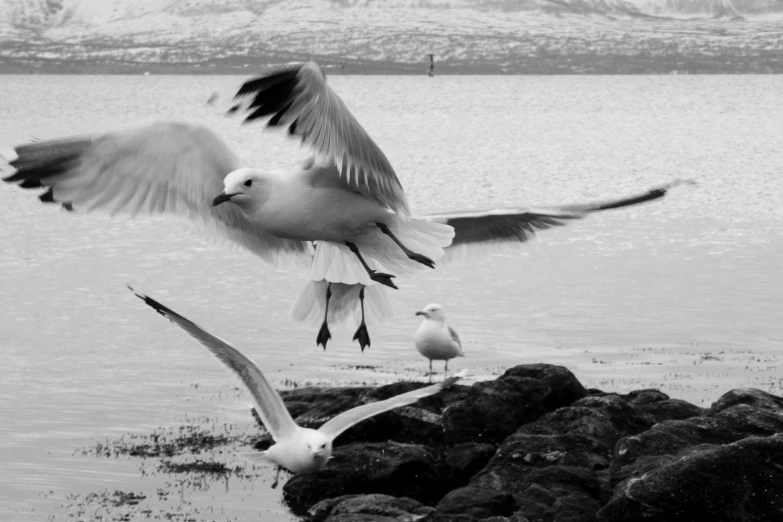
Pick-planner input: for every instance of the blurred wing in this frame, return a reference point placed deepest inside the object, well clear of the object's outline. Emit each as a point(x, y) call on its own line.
point(165, 167)
point(268, 403)
point(345, 420)
point(455, 337)
point(300, 98)
point(521, 224)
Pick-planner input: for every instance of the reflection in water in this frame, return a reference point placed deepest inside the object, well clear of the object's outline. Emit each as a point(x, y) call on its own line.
point(680, 294)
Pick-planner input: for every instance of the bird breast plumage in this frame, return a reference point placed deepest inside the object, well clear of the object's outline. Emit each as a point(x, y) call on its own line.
point(433, 341)
point(294, 455)
point(303, 212)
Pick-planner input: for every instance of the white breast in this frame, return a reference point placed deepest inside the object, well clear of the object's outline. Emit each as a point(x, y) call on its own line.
point(433, 340)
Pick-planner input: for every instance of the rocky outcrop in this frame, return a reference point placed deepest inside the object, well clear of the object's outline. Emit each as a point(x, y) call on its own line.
point(534, 445)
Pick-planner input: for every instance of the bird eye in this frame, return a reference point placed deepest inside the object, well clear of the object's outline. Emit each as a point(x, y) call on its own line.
point(323, 445)
point(248, 182)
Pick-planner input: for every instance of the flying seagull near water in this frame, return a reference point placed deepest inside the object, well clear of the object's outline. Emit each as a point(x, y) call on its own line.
point(343, 212)
point(346, 200)
point(435, 339)
point(297, 449)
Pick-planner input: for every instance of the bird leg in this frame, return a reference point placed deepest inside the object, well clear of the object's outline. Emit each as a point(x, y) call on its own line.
point(378, 277)
point(277, 477)
point(323, 333)
point(446, 369)
point(361, 333)
point(430, 374)
point(424, 260)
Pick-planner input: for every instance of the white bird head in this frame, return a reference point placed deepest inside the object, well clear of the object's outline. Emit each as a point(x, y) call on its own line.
point(433, 311)
point(320, 446)
point(244, 187)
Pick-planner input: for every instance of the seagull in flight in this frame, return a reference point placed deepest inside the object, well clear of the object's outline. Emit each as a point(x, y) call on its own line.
point(344, 210)
point(435, 339)
point(296, 449)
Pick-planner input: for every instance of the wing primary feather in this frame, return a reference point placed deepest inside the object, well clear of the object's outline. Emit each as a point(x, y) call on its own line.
point(30, 183)
point(269, 404)
point(323, 122)
point(345, 420)
point(274, 121)
point(650, 196)
point(264, 82)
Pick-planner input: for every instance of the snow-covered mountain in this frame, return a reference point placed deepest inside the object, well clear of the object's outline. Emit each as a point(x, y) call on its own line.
point(504, 35)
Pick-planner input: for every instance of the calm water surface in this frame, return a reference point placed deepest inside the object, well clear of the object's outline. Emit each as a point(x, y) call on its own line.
point(683, 294)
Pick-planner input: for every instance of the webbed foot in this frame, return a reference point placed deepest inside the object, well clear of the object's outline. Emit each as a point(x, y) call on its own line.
point(424, 260)
point(384, 279)
point(323, 335)
point(363, 336)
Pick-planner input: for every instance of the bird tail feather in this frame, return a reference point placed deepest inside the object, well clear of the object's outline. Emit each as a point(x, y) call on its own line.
point(427, 238)
point(310, 304)
point(256, 457)
point(336, 263)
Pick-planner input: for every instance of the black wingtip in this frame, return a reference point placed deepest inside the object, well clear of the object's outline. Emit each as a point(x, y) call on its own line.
point(651, 195)
point(155, 305)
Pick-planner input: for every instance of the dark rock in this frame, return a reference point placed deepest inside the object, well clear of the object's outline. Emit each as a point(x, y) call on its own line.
point(671, 409)
point(534, 445)
point(370, 508)
point(400, 470)
point(752, 397)
point(552, 450)
point(311, 407)
point(636, 455)
point(565, 388)
point(645, 396)
point(466, 459)
point(738, 482)
point(576, 507)
point(542, 492)
point(624, 416)
point(575, 420)
point(493, 410)
point(661, 407)
point(477, 503)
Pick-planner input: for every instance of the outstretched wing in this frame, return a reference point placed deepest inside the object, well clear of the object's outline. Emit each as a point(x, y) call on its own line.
point(268, 402)
point(346, 419)
point(521, 224)
point(300, 98)
point(165, 167)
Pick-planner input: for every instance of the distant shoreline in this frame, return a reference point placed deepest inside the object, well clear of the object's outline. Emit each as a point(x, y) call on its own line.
point(556, 65)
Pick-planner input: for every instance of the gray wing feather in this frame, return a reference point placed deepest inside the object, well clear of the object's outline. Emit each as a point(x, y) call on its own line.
point(521, 224)
point(301, 98)
point(162, 168)
point(345, 420)
point(269, 404)
point(455, 337)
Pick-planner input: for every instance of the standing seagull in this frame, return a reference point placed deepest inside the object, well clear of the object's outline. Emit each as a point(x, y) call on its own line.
point(346, 200)
point(436, 340)
point(297, 449)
